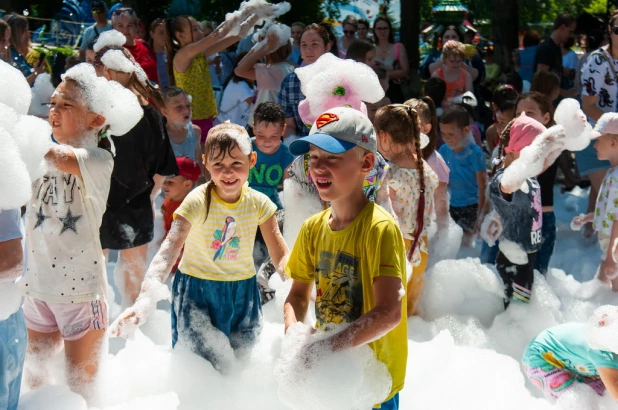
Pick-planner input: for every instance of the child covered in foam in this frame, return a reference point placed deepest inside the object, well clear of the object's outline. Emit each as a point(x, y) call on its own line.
point(66, 282)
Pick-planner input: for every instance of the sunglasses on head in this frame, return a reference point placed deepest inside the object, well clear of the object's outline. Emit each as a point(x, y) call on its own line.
point(124, 10)
point(614, 30)
point(349, 31)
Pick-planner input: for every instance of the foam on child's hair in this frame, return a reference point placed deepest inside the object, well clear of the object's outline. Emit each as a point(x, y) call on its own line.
point(116, 60)
point(117, 104)
point(243, 140)
point(110, 38)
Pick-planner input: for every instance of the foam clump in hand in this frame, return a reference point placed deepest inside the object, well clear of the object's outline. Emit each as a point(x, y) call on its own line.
point(15, 180)
point(118, 105)
point(462, 287)
point(322, 379)
point(280, 31)
point(33, 138)
point(332, 82)
point(42, 91)
point(576, 127)
point(264, 10)
point(110, 38)
point(602, 329)
point(16, 92)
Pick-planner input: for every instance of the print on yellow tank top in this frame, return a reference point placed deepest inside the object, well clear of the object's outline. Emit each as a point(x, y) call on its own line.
point(197, 83)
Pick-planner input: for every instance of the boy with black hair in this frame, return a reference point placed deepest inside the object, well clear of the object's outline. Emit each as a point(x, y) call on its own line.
point(273, 156)
point(468, 177)
point(353, 252)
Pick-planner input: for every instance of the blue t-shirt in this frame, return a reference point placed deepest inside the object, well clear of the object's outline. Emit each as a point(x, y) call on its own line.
point(268, 171)
point(464, 165)
point(92, 32)
point(10, 227)
point(565, 347)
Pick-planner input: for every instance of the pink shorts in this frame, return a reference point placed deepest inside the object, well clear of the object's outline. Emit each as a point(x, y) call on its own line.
point(205, 126)
point(73, 320)
point(554, 381)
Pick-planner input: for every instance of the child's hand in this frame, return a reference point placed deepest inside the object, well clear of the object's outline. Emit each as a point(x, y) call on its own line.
point(126, 324)
point(581, 220)
point(607, 271)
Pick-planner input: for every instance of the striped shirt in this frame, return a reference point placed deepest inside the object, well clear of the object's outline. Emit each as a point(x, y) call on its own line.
point(221, 247)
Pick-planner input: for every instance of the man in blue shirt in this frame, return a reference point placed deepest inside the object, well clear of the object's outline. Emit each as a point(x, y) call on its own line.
point(99, 12)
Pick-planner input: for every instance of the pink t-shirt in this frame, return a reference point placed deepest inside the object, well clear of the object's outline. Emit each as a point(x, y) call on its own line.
point(436, 162)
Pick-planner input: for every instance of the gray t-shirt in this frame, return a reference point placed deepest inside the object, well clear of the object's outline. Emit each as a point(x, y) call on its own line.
point(521, 212)
point(92, 32)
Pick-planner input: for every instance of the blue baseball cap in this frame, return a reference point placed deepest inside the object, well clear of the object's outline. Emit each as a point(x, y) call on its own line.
point(338, 130)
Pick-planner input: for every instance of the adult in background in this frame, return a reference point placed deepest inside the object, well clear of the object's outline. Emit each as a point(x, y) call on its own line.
point(362, 30)
point(392, 56)
point(297, 29)
point(549, 52)
point(125, 21)
point(30, 62)
point(526, 57)
point(433, 61)
point(313, 43)
point(595, 38)
point(156, 42)
point(569, 64)
point(599, 95)
point(5, 40)
point(349, 34)
point(12, 328)
point(101, 24)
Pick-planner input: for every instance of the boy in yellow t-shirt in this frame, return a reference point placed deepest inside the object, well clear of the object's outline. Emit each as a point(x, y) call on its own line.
point(352, 251)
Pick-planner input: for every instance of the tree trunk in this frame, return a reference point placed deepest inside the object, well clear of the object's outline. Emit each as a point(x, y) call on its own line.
point(410, 24)
point(505, 28)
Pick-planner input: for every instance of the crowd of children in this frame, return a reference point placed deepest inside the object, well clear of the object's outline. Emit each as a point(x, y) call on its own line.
point(383, 178)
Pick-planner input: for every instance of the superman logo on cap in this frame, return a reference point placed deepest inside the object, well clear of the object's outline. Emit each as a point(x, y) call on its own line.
point(326, 118)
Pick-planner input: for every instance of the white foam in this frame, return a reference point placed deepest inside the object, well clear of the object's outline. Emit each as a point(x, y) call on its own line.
point(16, 92)
point(110, 38)
point(513, 251)
point(260, 8)
point(14, 179)
point(33, 138)
point(277, 30)
point(118, 61)
point(42, 91)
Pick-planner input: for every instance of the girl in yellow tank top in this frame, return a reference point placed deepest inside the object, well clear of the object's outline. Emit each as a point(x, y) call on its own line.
point(188, 64)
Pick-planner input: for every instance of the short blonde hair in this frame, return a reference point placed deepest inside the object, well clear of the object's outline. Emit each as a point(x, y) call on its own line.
point(454, 48)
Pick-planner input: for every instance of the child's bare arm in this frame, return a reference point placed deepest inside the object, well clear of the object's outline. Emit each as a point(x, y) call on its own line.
point(386, 315)
point(581, 220)
point(440, 196)
point(297, 303)
point(277, 248)
point(64, 159)
point(481, 180)
point(153, 288)
point(609, 267)
point(609, 377)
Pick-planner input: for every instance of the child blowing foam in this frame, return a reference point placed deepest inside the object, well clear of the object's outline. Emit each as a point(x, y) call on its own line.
point(66, 282)
point(216, 282)
point(468, 173)
point(353, 251)
point(176, 188)
point(411, 187)
point(606, 211)
point(273, 156)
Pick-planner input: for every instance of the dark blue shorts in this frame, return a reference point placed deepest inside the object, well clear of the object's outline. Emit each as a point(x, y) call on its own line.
point(392, 404)
point(201, 307)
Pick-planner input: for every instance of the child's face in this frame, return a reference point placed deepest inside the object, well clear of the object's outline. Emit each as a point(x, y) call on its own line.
point(90, 57)
point(118, 76)
point(229, 172)
point(68, 115)
point(370, 58)
point(502, 119)
point(604, 145)
point(337, 176)
point(178, 110)
point(268, 136)
point(312, 46)
point(158, 34)
point(532, 110)
point(177, 188)
point(452, 135)
point(453, 61)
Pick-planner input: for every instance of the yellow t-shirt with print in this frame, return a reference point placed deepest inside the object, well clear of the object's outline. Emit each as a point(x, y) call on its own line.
point(221, 247)
point(343, 264)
